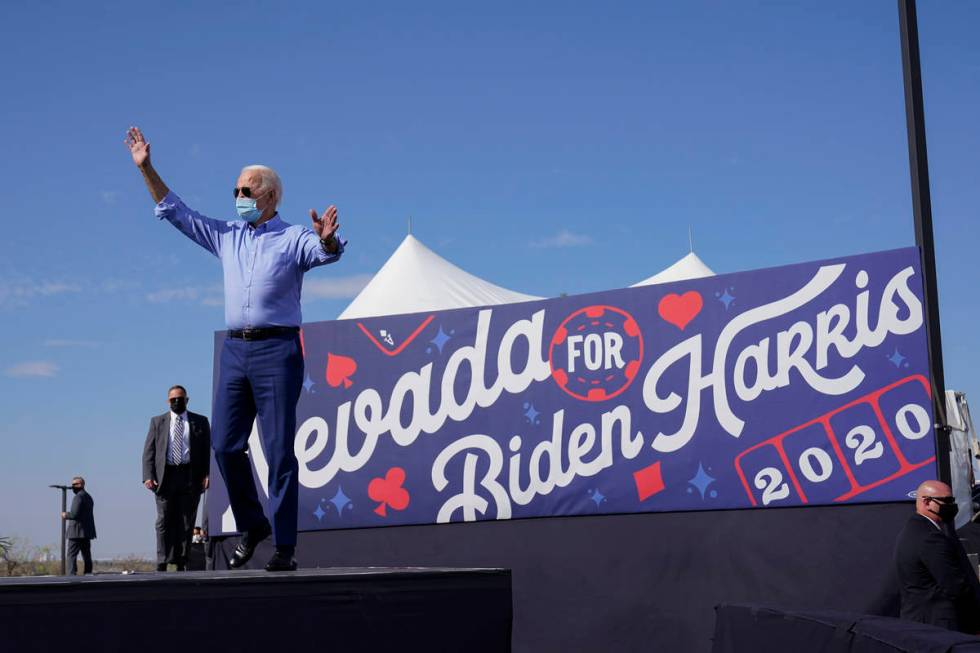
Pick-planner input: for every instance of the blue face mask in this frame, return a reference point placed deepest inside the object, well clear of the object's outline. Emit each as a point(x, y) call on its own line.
point(247, 210)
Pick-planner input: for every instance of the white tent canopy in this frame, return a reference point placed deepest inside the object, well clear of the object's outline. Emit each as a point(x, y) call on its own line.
point(416, 279)
point(689, 267)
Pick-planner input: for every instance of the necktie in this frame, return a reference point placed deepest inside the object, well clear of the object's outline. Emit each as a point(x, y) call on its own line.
point(177, 444)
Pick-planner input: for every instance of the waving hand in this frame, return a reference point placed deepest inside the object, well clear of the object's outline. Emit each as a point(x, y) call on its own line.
point(326, 226)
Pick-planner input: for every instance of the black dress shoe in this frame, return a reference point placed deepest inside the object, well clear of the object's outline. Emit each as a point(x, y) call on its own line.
point(282, 560)
point(246, 548)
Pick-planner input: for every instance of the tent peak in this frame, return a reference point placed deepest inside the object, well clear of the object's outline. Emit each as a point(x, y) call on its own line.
point(689, 266)
point(415, 279)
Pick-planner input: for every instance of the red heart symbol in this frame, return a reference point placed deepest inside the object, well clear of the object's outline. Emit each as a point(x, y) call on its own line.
point(389, 491)
point(340, 369)
point(679, 310)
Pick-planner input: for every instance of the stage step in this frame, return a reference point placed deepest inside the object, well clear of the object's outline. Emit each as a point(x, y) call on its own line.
point(337, 609)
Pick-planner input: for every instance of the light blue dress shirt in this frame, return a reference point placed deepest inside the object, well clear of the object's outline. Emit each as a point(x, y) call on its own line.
point(263, 266)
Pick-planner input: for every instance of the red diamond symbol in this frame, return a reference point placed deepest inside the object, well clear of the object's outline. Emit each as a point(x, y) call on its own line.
point(648, 481)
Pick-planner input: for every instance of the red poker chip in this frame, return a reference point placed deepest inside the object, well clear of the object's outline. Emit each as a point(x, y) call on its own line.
point(595, 353)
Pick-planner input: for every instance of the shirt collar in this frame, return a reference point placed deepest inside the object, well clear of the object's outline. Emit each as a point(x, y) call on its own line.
point(183, 415)
point(274, 221)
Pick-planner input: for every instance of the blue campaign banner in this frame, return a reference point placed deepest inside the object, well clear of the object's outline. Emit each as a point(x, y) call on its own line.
point(799, 385)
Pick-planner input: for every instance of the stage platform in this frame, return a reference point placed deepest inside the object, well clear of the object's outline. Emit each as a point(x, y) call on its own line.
point(335, 609)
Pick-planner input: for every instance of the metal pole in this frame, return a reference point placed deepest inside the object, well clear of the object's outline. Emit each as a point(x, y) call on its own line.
point(64, 526)
point(922, 212)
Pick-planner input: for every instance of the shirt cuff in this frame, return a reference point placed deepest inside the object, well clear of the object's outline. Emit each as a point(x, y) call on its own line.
point(341, 244)
point(166, 207)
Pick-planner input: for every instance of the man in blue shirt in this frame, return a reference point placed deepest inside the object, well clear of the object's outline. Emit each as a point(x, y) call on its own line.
point(261, 364)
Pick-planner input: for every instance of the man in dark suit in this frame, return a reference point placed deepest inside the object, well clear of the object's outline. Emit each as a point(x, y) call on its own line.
point(938, 584)
point(81, 527)
point(176, 462)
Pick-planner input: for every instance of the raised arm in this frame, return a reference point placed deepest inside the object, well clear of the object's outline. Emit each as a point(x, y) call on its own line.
point(321, 244)
point(204, 231)
point(325, 227)
point(140, 149)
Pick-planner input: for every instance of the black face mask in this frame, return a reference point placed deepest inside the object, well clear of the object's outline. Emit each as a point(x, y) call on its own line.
point(178, 405)
point(76, 488)
point(948, 511)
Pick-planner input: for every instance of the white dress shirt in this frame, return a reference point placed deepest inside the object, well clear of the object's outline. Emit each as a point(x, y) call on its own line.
point(185, 456)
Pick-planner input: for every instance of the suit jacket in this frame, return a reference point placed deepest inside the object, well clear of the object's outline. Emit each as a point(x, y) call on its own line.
point(158, 441)
point(81, 517)
point(938, 585)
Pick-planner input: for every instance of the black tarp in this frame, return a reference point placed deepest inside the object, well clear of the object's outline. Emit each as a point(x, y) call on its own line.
point(646, 582)
point(761, 628)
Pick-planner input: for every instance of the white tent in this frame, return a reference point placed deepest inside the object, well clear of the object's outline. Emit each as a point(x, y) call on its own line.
point(416, 279)
point(689, 267)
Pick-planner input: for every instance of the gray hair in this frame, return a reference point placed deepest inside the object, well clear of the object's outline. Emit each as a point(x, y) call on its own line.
point(270, 179)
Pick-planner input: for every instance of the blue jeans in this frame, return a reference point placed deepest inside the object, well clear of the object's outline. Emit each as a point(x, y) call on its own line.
point(261, 377)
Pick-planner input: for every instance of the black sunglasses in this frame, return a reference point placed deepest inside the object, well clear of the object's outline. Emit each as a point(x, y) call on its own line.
point(245, 190)
point(946, 500)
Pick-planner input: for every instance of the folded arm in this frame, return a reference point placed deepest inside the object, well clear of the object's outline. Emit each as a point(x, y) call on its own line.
point(76, 505)
point(942, 561)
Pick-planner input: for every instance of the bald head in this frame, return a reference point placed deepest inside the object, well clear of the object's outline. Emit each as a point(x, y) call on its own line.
point(930, 496)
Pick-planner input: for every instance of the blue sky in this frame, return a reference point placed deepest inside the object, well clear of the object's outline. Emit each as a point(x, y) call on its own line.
point(548, 147)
